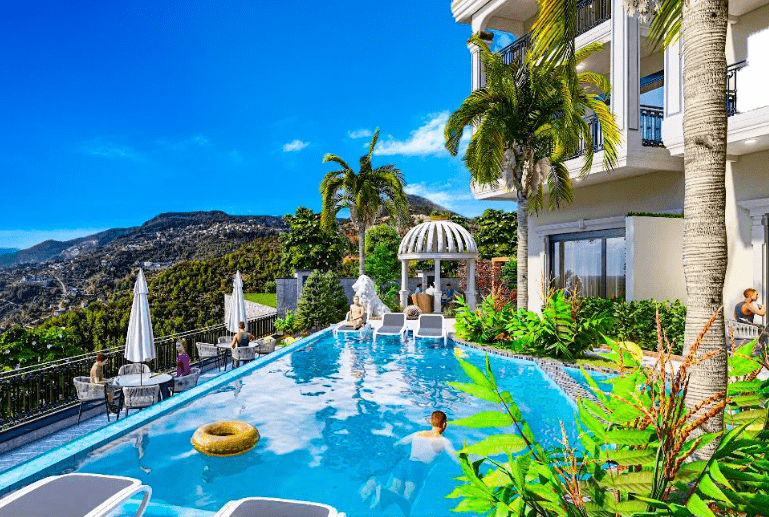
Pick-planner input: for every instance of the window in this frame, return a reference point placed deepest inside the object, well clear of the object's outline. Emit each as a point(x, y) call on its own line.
point(590, 263)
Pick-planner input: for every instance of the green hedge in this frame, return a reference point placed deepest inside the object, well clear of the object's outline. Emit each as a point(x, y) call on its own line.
point(635, 321)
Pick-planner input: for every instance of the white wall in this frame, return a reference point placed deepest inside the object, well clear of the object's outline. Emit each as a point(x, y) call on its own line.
point(654, 259)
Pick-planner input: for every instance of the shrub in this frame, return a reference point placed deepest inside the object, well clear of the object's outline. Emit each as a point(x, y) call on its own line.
point(487, 324)
point(20, 347)
point(510, 274)
point(321, 302)
point(270, 286)
point(306, 246)
point(634, 453)
point(286, 325)
point(634, 321)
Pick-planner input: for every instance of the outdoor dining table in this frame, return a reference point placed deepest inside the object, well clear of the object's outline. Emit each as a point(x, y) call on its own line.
point(145, 379)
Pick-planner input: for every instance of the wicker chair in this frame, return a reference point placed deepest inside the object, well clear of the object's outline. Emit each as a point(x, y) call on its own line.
point(225, 339)
point(95, 394)
point(265, 348)
point(186, 382)
point(133, 369)
point(207, 351)
point(243, 353)
point(140, 397)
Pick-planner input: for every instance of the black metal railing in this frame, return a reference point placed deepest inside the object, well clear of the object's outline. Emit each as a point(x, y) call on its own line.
point(42, 389)
point(516, 50)
point(595, 134)
point(591, 13)
point(651, 126)
point(731, 86)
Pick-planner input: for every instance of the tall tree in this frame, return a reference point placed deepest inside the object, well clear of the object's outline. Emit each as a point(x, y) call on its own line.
point(308, 246)
point(365, 193)
point(702, 26)
point(528, 120)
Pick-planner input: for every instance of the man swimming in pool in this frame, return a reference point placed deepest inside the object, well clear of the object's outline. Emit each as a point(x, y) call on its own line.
point(409, 475)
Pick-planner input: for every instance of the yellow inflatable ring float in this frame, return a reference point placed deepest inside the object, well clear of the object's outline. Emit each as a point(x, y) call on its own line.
point(225, 438)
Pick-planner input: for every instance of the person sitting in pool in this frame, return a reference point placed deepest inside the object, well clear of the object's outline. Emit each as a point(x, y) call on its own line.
point(242, 338)
point(357, 314)
point(183, 359)
point(409, 475)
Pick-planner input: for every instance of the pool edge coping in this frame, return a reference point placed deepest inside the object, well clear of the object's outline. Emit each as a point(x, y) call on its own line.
point(59, 457)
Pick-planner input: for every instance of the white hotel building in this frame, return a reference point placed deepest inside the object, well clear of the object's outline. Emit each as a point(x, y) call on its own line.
point(632, 257)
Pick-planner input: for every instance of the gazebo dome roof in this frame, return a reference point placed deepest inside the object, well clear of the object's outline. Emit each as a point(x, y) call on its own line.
point(442, 240)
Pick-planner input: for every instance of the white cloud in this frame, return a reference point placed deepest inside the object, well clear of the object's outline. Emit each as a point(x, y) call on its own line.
point(360, 133)
point(444, 194)
point(112, 151)
point(296, 145)
point(426, 140)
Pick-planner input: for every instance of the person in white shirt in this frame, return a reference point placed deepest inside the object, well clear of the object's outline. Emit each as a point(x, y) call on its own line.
point(409, 475)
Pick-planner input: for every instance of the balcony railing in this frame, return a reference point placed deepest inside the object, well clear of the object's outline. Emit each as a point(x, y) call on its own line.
point(731, 86)
point(516, 50)
point(40, 390)
point(651, 126)
point(595, 133)
point(591, 13)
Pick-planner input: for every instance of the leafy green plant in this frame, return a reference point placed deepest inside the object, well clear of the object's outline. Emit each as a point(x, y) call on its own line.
point(497, 234)
point(487, 324)
point(634, 321)
point(21, 347)
point(558, 333)
point(638, 448)
point(308, 246)
point(270, 286)
point(510, 273)
point(286, 325)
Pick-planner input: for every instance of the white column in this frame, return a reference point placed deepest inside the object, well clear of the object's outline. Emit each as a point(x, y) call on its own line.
point(404, 283)
point(476, 73)
point(437, 292)
point(471, 284)
point(625, 68)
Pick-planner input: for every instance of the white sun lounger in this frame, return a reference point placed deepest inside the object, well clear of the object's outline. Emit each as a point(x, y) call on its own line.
point(431, 325)
point(73, 495)
point(270, 507)
point(393, 324)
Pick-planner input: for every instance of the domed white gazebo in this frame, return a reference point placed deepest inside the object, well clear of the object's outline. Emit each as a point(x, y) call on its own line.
point(438, 240)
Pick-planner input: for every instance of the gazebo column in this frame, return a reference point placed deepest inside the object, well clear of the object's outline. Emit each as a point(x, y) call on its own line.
point(404, 283)
point(471, 284)
point(437, 292)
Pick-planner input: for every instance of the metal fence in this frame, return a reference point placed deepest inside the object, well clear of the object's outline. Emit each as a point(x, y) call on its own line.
point(651, 126)
point(39, 390)
point(591, 13)
point(731, 86)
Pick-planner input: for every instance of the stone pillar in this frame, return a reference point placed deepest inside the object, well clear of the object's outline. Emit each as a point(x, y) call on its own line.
point(404, 284)
point(471, 284)
point(437, 291)
point(478, 78)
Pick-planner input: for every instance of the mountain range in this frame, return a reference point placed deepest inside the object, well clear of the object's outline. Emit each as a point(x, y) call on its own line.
point(52, 276)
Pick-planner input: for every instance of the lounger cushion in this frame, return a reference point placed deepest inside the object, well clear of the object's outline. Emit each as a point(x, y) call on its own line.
point(267, 508)
point(423, 332)
point(69, 496)
point(389, 330)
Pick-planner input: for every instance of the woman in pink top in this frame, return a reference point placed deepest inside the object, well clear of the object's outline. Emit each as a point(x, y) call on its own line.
point(183, 360)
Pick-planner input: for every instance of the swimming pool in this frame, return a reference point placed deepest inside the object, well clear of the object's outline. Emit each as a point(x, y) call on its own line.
point(329, 415)
point(600, 378)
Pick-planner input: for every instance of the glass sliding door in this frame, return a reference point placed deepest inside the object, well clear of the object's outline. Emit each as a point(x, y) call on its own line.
point(590, 263)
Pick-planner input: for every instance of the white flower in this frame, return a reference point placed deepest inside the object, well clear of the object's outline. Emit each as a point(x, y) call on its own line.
point(49, 346)
point(34, 342)
point(7, 352)
point(59, 335)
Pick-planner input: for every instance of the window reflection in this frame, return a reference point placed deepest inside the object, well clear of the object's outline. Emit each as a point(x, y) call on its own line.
point(589, 264)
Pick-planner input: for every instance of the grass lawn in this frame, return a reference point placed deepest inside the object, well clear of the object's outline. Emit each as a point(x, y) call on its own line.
point(269, 299)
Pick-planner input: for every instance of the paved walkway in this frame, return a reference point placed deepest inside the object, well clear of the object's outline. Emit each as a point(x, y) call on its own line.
point(31, 450)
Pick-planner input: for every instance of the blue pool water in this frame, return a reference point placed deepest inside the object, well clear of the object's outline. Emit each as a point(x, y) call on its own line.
point(329, 415)
point(602, 379)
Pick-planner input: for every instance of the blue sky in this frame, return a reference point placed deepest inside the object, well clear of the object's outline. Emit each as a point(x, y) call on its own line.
point(116, 111)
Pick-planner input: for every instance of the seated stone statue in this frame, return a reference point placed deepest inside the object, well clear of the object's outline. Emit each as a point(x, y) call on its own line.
point(356, 316)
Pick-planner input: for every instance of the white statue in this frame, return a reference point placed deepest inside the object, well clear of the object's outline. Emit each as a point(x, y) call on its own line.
point(366, 291)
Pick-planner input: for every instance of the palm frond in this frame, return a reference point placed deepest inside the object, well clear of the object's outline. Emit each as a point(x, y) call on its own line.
point(559, 187)
point(665, 28)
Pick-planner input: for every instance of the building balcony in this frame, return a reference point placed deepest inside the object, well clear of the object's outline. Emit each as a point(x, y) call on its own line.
point(650, 133)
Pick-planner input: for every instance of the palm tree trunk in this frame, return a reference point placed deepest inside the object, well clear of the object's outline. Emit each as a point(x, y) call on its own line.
point(361, 249)
point(704, 241)
point(522, 293)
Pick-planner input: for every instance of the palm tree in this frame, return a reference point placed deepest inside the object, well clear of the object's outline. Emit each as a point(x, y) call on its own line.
point(365, 194)
point(526, 124)
point(702, 26)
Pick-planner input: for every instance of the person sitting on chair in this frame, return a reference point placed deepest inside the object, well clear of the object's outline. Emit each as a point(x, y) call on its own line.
point(747, 308)
point(183, 359)
point(418, 289)
point(97, 375)
point(242, 338)
point(355, 318)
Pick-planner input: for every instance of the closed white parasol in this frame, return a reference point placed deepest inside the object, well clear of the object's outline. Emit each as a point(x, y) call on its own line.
point(140, 341)
point(237, 310)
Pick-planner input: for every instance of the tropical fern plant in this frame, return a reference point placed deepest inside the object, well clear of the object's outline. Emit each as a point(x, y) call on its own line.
point(365, 194)
point(528, 121)
point(637, 454)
